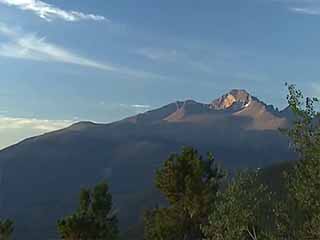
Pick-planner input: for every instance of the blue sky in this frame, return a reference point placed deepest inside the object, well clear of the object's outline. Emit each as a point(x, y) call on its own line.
point(65, 61)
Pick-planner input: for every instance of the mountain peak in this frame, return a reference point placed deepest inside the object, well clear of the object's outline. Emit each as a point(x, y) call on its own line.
point(236, 99)
point(239, 93)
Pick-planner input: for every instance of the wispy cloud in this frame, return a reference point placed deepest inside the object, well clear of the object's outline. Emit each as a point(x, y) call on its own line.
point(137, 106)
point(157, 54)
point(8, 31)
point(304, 7)
point(13, 129)
point(30, 46)
point(21, 45)
point(32, 123)
point(126, 106)
point(141, 106)
point(124, 109)
point(306, 10)
point(176, 57)
point(50, 12)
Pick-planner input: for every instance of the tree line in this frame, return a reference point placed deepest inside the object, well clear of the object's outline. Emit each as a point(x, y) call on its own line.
point(204, 204)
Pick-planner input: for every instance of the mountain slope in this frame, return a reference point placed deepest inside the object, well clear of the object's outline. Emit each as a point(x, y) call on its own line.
point(41, 176)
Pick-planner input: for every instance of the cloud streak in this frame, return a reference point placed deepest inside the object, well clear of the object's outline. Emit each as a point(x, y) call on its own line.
point(50, 12)
point(306, 10)
point(303, 7)
point(141, 106)
point(135, 106)
point(30, 46)
point(173, 56)
point(158, 54)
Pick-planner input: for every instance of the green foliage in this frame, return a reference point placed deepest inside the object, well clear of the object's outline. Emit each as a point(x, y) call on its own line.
point(241, 212)
point(162, 223)
point(93, 220)
point(298, 217)
point(305, 133)
point(190, 184)
point(6, 229)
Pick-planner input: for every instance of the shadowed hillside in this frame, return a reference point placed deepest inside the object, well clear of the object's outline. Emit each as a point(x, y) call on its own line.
point(41, 176)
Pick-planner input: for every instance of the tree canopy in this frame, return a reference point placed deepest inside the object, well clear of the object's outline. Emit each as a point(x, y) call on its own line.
point(189, 183)
point(94, 219)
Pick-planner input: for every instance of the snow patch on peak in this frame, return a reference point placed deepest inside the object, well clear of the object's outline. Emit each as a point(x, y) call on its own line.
point(234, 100)
point(248, 104)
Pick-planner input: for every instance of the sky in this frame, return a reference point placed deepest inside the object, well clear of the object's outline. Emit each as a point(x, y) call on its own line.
point(68, 61)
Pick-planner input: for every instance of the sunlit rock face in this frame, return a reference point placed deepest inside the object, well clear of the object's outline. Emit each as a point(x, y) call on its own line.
point(234, 100)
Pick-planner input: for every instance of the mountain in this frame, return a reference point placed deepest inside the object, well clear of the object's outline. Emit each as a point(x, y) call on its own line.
point(41, 176)
point(237, 104)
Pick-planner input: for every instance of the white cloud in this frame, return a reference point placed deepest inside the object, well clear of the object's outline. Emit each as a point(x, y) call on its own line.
point(32, 123)
point(306, 10)
point(13, 129)
point(29, 46)
point(140, 106)
point(130, 109)
point(135, 106)
point(50, 12)
point(304, 7)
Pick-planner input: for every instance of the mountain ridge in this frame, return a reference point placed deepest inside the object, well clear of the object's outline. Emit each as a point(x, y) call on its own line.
point(232, 102)
point(46, 172)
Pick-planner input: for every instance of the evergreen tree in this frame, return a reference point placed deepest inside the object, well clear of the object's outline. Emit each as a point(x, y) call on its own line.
point(6, 229)
point(190, 184)
point(162, 223)
point(94, 219)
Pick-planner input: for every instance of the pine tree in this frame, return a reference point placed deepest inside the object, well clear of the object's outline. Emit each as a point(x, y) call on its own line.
point(189, 184)
point(94, 219)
